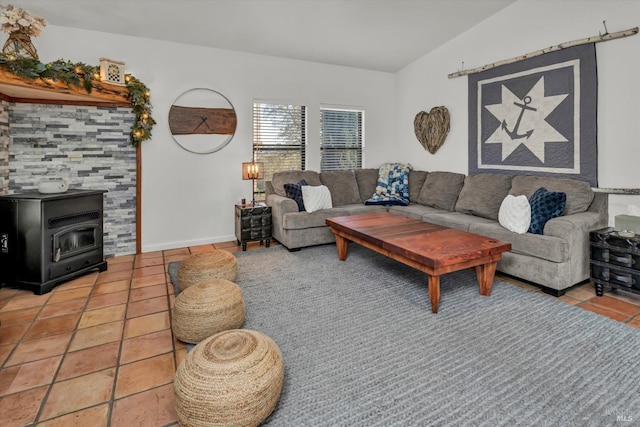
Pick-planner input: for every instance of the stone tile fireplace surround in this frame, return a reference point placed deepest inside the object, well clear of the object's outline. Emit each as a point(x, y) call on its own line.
point(87, 146)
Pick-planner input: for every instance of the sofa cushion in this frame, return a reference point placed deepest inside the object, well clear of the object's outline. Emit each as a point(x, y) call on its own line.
point(279, 179)
point(359, 209)
point(515, 213)
point(416, 181)
point(455, 220)
point(303, 220)
point(316, 197)
point(579, 193)
point(367, 180)
point(294, 191)
point(342, 186)
point(441, 189)
point(414, 210)
point(393, 185)
point(545, 205)
point(549, 248)
point(482, 194)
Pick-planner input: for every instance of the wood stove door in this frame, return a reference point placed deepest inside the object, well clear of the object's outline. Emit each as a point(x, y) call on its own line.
point(8, 240)
point(75, 240)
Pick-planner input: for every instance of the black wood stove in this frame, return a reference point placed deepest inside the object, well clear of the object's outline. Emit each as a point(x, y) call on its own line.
point(47, 239)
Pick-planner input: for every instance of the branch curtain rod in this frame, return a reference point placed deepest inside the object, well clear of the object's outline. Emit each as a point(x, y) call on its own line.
point(625, 191)
point(594, 39)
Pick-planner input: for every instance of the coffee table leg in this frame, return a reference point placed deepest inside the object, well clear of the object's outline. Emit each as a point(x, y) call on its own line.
point(342, 245)
point(434, 292)
point(485, 275)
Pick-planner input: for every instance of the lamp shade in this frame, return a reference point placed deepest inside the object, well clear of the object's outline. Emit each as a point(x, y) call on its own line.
point(252, 170)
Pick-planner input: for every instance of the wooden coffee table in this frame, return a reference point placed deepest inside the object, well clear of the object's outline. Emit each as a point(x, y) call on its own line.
point(430, 248)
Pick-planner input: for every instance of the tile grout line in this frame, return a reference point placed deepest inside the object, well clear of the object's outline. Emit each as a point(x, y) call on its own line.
point(172, 351)
point(628, 318)
point(111, 401)
point(45, 398)
point(17, 343)
point(173, 338)
point(165, 266)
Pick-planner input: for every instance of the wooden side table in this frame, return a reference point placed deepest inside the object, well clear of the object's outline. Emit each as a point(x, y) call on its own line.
point(253, 223)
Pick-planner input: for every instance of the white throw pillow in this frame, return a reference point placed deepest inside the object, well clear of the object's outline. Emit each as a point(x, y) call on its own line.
point(316, 197)
point(515, 214)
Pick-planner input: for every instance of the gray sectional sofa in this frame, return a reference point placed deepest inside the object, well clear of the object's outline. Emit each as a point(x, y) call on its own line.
point(555, 260)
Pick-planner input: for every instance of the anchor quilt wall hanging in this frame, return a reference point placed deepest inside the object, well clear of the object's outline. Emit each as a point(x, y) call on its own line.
point(536, 116)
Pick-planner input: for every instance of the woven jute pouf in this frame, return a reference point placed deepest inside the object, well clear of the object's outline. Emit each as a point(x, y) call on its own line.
point(218, 264)
point(207, 308)
point(233, 378)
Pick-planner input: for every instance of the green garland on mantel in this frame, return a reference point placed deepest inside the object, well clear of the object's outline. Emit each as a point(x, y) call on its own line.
point(82, 75)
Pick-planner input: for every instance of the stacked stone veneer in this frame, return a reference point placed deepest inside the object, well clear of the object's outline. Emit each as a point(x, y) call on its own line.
point(4, 147)
point(87, 146)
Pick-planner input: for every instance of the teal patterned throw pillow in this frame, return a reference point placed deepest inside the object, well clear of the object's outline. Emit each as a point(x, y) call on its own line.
point(545, 205)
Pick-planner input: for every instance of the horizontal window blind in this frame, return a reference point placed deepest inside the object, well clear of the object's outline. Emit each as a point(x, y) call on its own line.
point(341, 139)
point(279, 139)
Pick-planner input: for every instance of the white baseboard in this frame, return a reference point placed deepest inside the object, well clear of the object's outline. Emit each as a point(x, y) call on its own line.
point(186, 243)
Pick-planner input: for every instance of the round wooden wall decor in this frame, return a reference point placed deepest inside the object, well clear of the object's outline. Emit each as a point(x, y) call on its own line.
point(202, 121)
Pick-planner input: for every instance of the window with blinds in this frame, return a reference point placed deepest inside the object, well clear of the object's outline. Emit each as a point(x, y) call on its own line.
point(341, 138)
point(279, 138)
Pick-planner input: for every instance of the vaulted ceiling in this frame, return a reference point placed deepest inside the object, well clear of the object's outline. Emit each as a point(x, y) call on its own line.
point(383, 35)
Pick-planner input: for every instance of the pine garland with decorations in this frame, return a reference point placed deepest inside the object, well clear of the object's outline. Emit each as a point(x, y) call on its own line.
point(82, 76)
point(139, 96)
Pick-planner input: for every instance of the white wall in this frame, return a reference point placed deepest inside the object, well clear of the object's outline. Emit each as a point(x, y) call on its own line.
point(523, 27)
point(187, 199)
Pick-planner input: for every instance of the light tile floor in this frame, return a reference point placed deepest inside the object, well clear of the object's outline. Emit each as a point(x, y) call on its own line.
point(98, 350)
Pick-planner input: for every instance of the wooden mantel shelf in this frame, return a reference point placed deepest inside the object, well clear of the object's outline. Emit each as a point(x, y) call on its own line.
point(19, 89)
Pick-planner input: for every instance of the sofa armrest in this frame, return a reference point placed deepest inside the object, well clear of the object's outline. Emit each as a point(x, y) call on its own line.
point(281, 205)
point(574, 229)
point(575, 226)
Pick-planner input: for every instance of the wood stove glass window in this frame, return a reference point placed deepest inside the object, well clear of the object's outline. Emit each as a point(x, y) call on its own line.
point(74, 240)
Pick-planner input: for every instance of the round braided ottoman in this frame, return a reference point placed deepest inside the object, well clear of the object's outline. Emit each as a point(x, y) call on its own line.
point(233, 378)
point(218, 264)
point(207, 308)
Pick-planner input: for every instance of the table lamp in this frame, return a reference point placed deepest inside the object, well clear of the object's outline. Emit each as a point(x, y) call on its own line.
point(252, 171)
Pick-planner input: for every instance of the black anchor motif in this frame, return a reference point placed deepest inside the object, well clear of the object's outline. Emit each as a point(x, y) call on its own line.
point(513, 134)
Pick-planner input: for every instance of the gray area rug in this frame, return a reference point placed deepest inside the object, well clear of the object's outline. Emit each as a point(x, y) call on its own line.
point(362, 348)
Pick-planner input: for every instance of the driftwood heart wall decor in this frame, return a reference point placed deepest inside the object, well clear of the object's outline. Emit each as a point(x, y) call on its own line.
point(432, 128)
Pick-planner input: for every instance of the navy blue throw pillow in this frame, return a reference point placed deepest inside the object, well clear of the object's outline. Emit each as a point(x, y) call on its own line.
point(545, 205)
point(294, 191)
point(390, 201)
